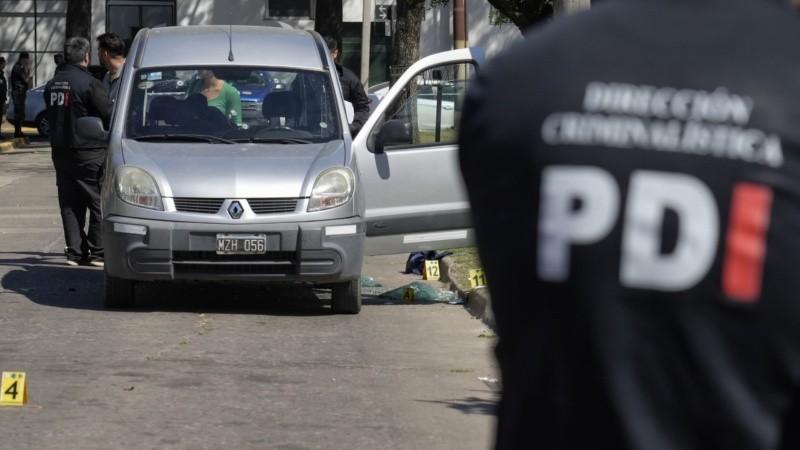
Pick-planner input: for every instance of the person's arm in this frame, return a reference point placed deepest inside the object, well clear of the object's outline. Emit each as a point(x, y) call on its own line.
point(100, 100)
point(28, 74)
point(360, 103)
point(17, 72)
point(233, 103)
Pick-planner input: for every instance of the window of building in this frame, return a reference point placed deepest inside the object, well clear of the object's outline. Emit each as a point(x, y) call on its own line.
point(127, 17)
point(289, 9)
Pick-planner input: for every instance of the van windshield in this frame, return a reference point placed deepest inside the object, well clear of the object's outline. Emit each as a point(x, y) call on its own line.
point(232, 104)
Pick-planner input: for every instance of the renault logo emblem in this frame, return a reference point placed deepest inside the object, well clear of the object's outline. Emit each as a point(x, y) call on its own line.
point(235, 210)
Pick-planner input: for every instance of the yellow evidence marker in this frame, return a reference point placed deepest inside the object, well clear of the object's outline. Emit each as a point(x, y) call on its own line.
point(13, 389)
point(408, 295)
point(431, 270)
point(477, 278)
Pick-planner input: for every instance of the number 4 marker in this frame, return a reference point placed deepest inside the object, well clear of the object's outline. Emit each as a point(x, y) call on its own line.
point(13, 389)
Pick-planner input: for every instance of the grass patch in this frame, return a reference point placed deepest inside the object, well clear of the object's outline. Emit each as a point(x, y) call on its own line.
point(464, 259)
point(461, 370)
point(487, 335)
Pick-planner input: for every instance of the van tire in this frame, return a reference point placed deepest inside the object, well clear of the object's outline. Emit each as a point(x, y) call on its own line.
point(346, 297)
point(120, 293)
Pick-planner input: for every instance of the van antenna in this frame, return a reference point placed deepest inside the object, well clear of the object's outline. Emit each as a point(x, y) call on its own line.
point(230, 42)
point(230, 34)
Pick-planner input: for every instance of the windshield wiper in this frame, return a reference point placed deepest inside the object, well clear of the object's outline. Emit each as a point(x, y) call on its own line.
point(184, 137)
point(276, 140)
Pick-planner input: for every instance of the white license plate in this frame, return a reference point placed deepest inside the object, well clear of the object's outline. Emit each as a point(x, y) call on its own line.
point(241, 244)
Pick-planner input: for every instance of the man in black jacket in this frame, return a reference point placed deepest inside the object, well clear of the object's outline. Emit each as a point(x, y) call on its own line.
point(352, 90)
point(71, 94)
point(21, 76)
point(641, 162)
point(3, 91)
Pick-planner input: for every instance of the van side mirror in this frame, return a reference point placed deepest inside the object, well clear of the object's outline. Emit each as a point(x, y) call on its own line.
point(393, 132)
point(91, 129)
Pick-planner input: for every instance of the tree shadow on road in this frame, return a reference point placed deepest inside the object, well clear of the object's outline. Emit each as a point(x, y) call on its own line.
point(469, 405)
point(44, 279)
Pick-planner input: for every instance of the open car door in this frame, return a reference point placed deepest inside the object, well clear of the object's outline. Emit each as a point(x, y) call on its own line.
point(407, 158)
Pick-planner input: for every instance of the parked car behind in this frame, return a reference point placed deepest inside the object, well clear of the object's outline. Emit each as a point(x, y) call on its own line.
point(253, 87)
point(292, 198)
point(35, 112)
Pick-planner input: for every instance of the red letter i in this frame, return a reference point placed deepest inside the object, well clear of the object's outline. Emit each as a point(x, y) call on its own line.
point(745, 245)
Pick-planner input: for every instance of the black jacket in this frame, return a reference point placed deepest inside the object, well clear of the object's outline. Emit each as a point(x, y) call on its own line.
point(19, 82)
point(73, 93)
point(3, 88)
point(637, 168)
point(353, 92)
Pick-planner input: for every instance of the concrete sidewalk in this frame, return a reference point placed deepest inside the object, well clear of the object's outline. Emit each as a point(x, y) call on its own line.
point(17, 145)
point(479, 302)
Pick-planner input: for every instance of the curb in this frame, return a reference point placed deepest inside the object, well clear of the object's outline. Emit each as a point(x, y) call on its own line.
point(14, 145)
point(478, 300)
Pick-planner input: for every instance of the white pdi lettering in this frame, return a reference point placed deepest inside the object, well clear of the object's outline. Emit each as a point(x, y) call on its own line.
point(719, 106)
point(650, 194)
point(58, 98)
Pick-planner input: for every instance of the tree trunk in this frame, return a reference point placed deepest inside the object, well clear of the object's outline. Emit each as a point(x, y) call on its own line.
point(79, 18)
point(405, 48)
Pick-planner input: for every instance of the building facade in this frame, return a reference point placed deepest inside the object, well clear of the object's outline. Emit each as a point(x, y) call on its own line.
point(38, 26)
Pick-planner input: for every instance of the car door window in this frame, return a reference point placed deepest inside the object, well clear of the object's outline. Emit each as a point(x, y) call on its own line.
point(431, 104)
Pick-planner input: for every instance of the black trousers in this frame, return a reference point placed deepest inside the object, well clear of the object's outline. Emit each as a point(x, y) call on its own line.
point(79, 176)
point(19, 111)
point(2, 109)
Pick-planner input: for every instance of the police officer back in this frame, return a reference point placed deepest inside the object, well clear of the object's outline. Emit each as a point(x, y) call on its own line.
point(637, 166)
point(73, 93)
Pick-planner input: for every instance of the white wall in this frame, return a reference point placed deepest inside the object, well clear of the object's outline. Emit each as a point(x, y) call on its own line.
point(483, 34)
point(437, 29)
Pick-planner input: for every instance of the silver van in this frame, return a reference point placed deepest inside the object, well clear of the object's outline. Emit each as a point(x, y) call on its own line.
point(195, 193)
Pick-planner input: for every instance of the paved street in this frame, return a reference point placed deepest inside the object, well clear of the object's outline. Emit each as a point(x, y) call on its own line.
point(223, 366)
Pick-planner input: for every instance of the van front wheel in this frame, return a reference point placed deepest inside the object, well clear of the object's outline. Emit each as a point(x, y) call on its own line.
point(346, 297)
point(120, 293)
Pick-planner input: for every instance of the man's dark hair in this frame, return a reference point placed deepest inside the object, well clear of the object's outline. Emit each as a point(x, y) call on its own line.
point(24, 55)
point(111, 43)
point(75, 49)
point(331, 43)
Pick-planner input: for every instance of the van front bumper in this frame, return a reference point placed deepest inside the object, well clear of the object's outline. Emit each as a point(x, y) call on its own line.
point(316, 252)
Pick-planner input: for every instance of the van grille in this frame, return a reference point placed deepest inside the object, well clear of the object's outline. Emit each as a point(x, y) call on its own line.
point(258, 205)
point(187, 262)
point(199, 205)
point(272, 205)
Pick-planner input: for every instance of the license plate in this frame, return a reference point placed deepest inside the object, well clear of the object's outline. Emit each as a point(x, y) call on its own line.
point(241, 244)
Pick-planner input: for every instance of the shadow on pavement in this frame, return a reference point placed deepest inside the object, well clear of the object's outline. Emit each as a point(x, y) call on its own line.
point(469, 405)
point(44, 279)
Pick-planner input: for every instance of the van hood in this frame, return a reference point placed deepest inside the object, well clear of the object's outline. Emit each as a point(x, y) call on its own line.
point(199, 170)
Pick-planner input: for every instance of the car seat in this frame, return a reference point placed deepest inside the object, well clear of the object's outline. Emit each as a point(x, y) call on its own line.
point(203, 117)
point(280, 109)
point(165, 110)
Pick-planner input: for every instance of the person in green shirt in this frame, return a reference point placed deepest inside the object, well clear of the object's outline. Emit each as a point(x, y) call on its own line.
point(219, 94)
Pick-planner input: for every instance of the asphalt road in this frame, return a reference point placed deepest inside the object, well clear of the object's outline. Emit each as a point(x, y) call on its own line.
point(224, 366)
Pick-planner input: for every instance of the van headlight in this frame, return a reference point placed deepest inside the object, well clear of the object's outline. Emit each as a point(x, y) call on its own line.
point(333, 188)
point(137, 187)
